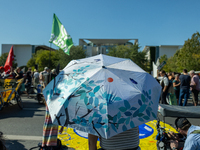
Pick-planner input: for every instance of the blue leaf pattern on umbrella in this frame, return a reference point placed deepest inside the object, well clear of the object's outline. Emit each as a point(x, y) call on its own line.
point(89, 94)
point(124, 128)
point(126, 104)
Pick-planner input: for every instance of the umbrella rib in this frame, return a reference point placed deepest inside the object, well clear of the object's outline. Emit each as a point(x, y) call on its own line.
point(115, 63)
point(122, 69)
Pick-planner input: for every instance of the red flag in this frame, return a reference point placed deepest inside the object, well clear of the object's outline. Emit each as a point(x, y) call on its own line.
point(9, 60)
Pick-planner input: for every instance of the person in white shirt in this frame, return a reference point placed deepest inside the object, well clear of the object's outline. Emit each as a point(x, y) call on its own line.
point(164, 82)
point(36, 77)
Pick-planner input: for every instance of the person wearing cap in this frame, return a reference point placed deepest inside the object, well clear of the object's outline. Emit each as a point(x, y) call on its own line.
point(45, 70)
point(46, 74)
point(194, 87)
point(36, 77)
point(191, 132)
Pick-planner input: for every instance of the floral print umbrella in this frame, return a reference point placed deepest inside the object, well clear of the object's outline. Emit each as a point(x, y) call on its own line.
point(102, 95)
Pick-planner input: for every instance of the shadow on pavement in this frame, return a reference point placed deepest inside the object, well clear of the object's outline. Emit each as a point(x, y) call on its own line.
point(14, 145)
point(30, 107)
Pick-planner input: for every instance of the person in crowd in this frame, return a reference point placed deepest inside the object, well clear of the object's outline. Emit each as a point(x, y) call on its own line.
point(164, 82)
point(170, 77)
point(2, 73)
point(41, 81)
point(50, 132)
point(9, 74)
point(170, 85)
point(28, 82)
point(173, 75)
point(46, 75)
point(123, 141)
point(29, 71)
point(53, 74)
point(176, 85)
point(22, 88)
point(18, 73)
point(194, 87)
point(192, 133)
point(36, 77)
point(184, 87)
point(46, 70)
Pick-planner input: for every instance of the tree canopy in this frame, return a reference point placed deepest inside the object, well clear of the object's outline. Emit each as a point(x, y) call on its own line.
point(3, 58)
point(132, 52)
point(45, 58)
point(188, 57)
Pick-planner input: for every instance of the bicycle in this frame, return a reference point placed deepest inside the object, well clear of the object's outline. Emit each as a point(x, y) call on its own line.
point(13, 96)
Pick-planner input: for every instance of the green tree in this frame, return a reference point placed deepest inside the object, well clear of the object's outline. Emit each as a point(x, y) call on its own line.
point(187, 56)
point(132, 52)
point(42, 58)
point(76, 52)
point(3, 58)
point(31, 63)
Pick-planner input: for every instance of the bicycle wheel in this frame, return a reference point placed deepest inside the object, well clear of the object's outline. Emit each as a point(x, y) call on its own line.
point(19, 101)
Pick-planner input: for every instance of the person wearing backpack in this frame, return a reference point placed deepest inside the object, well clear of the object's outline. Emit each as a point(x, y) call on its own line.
point(191, 132)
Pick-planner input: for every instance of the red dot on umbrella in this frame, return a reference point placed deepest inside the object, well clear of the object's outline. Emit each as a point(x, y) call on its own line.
point(110, 79)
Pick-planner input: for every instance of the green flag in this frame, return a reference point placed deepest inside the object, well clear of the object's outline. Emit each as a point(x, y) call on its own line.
point(59, 36)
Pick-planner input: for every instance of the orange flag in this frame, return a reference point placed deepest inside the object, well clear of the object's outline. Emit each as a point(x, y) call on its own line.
point(9, 61)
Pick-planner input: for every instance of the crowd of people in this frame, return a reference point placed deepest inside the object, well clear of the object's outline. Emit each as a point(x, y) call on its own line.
point(181, 85)
point(34, 78)
point(29, 77)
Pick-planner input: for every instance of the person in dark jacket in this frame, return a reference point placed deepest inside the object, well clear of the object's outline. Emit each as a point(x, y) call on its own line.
point(184, 87)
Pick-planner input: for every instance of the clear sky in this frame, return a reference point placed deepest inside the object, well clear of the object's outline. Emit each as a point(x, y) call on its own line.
point(152, 22)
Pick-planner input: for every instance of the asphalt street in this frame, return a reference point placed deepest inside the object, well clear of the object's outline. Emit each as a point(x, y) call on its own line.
point(23, 128)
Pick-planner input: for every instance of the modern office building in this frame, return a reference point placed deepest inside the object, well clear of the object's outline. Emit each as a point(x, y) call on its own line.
point(23, 52)
point(101, 46)
point(155, 52)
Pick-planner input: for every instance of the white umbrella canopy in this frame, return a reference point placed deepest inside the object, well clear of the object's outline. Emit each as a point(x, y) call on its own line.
point(102, 95)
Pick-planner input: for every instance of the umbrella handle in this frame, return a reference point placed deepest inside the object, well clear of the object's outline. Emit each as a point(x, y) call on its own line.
point(95, 129)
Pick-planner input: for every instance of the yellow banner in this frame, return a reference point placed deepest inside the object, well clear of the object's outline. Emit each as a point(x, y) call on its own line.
point(6, 86)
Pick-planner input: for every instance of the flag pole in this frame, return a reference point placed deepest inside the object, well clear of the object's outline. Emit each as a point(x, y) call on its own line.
point(50, 56)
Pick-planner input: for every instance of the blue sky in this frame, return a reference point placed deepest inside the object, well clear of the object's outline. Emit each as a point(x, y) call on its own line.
point(152, 22)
